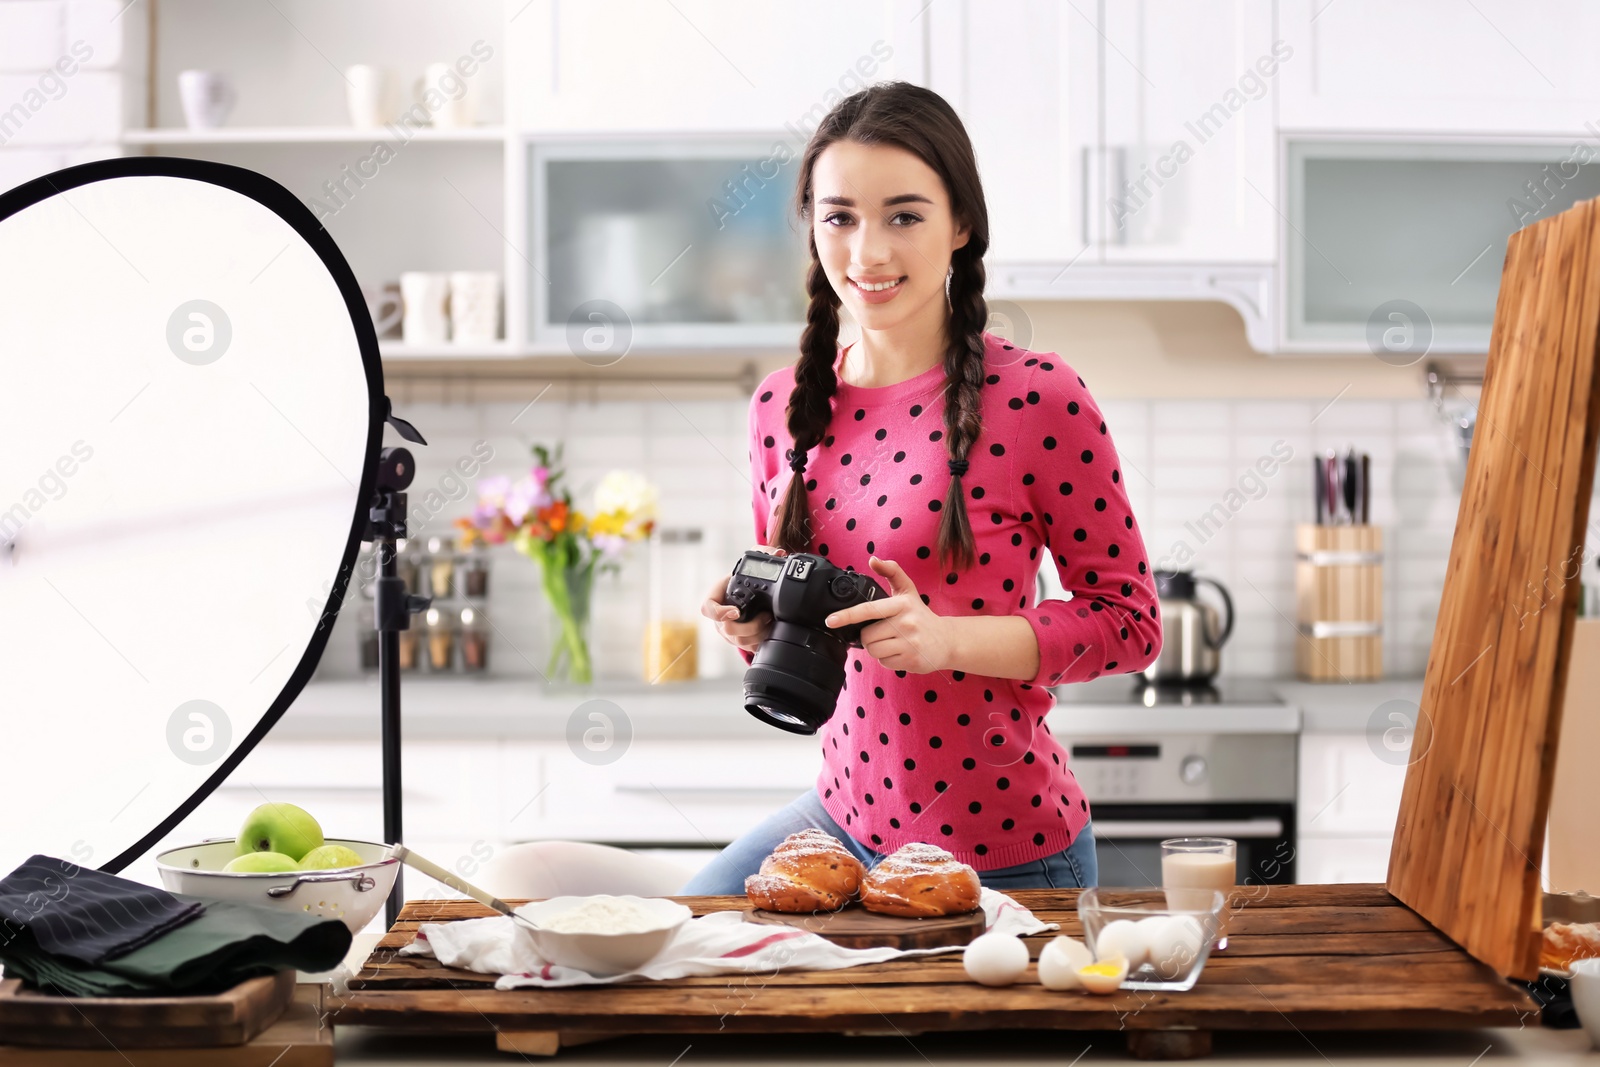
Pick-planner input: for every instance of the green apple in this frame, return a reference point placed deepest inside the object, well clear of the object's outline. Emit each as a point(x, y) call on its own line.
point(330, 858)
point(261, 863)
point(280, 828)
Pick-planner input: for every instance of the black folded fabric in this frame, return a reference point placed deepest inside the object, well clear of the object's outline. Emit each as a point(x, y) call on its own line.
point(83, 915)
point(230, 942)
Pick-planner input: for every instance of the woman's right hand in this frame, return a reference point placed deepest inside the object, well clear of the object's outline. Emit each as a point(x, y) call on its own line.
point(745, 636)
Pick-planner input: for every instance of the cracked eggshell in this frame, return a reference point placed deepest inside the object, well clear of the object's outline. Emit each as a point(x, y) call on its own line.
point(1059, 962)
point(1105, 975)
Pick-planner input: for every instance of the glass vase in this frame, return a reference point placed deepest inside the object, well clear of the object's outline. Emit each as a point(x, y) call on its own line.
point(569, 593)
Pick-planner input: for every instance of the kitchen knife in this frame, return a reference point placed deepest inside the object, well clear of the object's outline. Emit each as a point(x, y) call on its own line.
point(1332, 466)
point(1349, 483)
point(1319, 475)
point(1366, 489)
point(460, 885)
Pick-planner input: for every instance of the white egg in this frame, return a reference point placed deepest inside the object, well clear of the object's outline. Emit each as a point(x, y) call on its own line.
point(1174, 943)
point(995, 959)
point(1059, 962)
point(1125, 938)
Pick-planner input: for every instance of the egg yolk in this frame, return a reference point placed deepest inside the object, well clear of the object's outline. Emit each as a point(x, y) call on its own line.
point(1110, 970)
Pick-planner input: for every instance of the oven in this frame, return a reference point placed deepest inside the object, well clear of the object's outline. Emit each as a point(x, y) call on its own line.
point(1161, 766)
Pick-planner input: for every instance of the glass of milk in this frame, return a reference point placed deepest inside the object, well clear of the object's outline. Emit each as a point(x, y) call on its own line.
point(1192, 867)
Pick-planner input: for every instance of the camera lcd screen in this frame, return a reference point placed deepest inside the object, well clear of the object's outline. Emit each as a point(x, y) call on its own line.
point(766, 570)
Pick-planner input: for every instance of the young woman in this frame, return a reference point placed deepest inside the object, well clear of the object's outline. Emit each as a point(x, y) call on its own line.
point(944, 461)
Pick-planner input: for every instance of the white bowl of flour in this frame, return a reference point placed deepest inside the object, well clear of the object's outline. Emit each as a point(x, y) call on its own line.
point(604, 935)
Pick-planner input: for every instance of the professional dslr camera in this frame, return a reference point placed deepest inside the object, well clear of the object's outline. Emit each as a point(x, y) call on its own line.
point(795, 678)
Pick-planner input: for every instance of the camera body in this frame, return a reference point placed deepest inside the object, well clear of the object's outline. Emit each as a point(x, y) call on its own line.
point(795, 678)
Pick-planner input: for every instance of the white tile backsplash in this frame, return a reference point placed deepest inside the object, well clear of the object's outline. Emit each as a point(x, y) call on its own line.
point(1183, 458)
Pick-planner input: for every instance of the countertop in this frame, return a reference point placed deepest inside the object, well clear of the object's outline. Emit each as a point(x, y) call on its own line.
point(1432, 1048)
point(1468, 1048)
point(451, 708)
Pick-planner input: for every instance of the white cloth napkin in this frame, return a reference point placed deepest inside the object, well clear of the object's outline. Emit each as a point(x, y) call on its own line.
point(718, 943)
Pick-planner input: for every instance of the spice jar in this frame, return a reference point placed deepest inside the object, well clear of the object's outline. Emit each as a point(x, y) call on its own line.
point(472, 572)
point(672, 629)
point(474, 639)
point(441, 639)
point(368, 642)
point(366, 572)
point(407, 562)
point(441, 567)
point(408, 649)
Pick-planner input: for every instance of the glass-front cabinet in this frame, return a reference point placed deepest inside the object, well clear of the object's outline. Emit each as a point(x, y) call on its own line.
point(1396, 245)
point(663, 243)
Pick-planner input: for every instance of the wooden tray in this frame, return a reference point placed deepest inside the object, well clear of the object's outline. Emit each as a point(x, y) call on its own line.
point(29, 1017)
point(1331, 957)
point(855, 927)
point(299, 1038)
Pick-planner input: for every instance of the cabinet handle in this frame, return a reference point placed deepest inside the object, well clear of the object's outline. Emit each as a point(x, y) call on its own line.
point(1117, 178)
point(1083, 193)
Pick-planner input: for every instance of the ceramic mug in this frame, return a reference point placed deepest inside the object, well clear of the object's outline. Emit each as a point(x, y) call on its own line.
point(474, 305)
point(1585, 985)
point(447, 96)
point(366, 94)
point(425, 296)
point(207, 98)
point(386, 307)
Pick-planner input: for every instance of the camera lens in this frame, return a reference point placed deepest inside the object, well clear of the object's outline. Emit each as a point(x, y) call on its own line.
point(794, 680)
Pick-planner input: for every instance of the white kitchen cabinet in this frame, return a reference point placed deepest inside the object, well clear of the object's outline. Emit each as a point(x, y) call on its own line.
point(1348, 800)
point(1348, 789)
point(1328, 860)
point(1022, 76)
point(700, 65)
point(1440, 66)
point(686, 793)
point(1116, 133)
point(1186, 164)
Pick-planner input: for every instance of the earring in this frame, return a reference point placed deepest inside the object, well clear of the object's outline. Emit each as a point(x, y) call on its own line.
point(949, 275)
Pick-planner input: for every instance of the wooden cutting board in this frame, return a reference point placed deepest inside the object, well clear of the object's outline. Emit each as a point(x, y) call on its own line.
point(855, 927)
point(1470, 835)
point(29, 1017)
point(301, 1037)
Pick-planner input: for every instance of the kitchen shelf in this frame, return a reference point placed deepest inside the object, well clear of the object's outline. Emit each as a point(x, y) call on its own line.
point(451, 350)
point(308, 135)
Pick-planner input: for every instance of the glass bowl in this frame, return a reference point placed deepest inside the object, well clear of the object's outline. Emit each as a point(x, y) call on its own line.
point(1181, 938)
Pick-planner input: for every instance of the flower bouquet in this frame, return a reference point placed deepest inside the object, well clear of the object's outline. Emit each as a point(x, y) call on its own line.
point(536, 516)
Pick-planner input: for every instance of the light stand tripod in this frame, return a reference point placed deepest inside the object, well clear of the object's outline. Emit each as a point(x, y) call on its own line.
point(393, 608)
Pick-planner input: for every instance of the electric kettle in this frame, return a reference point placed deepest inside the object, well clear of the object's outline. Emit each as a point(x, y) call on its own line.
point(1192, 631)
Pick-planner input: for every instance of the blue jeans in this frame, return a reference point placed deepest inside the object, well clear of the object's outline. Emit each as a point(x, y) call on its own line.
point(1074, 867)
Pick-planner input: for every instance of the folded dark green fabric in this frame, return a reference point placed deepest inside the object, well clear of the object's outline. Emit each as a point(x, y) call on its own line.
point(228, 943)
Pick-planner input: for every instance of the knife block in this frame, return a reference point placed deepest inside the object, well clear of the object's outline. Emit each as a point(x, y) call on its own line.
point(1338, 579)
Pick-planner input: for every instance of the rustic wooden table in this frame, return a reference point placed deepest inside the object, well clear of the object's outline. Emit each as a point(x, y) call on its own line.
point(1308, 958)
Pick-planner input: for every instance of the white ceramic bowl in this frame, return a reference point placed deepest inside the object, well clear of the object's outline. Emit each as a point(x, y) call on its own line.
point(603, 954)
point(354, 894)
point(1585, 985)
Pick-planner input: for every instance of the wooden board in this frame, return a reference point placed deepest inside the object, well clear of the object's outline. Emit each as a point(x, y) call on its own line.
point(299, 1038)
point(855, 927)
point(1305, 957)
point(29, 1017)
point(1469, 838)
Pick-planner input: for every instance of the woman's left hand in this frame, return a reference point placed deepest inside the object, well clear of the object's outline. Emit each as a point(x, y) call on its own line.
point(909, 635)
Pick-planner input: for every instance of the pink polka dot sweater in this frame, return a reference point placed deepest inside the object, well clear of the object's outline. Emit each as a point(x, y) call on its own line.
point(964, 760)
